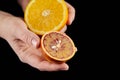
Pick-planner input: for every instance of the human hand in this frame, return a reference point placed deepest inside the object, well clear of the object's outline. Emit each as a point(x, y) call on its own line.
point(25, 43)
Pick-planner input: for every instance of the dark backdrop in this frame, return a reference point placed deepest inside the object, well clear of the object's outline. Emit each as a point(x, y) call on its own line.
point(11, 65)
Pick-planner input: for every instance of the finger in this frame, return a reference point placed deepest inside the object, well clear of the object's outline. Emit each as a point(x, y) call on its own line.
point(23, 3)
point(71, 14)
point(63, 29)
point(47, 66)
point(28, 37)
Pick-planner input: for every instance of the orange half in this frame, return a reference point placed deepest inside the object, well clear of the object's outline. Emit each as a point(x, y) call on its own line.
point(57, 47)
point(42, 16)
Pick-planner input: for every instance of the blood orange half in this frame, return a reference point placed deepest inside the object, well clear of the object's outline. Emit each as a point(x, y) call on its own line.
point(57, 47)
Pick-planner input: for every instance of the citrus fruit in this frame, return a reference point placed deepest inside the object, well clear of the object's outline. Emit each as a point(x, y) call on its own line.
point(42, 16)
point(57, 47)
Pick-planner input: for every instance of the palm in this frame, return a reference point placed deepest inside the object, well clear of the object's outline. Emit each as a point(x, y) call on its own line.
point(33, 56)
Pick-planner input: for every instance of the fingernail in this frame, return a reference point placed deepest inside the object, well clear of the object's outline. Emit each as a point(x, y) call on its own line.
point(70, 22)
point(65, 68)
point(34, 42)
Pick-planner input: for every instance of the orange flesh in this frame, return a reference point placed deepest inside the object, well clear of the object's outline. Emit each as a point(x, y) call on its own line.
point(58, 46)
point(42, 16)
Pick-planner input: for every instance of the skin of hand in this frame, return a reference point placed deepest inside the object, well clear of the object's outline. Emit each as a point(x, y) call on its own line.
point(26, 43)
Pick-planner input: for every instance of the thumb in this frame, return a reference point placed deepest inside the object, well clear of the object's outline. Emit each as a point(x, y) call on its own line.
point(28, 37)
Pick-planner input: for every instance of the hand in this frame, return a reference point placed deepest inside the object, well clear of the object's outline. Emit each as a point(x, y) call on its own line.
point(25, 43)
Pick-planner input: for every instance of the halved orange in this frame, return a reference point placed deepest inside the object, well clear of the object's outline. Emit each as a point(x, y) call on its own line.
point(42, 16)
point(57, 47)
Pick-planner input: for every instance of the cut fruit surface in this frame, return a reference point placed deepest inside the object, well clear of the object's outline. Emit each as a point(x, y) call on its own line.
point(42, 16)
point(57, 47)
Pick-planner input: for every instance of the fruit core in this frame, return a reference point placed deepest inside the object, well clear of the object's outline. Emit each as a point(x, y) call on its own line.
point(45, 12)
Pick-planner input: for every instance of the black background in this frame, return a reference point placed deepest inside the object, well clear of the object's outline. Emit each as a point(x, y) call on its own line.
point(81, 65)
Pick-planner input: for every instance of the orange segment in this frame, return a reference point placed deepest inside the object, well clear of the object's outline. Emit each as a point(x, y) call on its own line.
point(42, 16)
